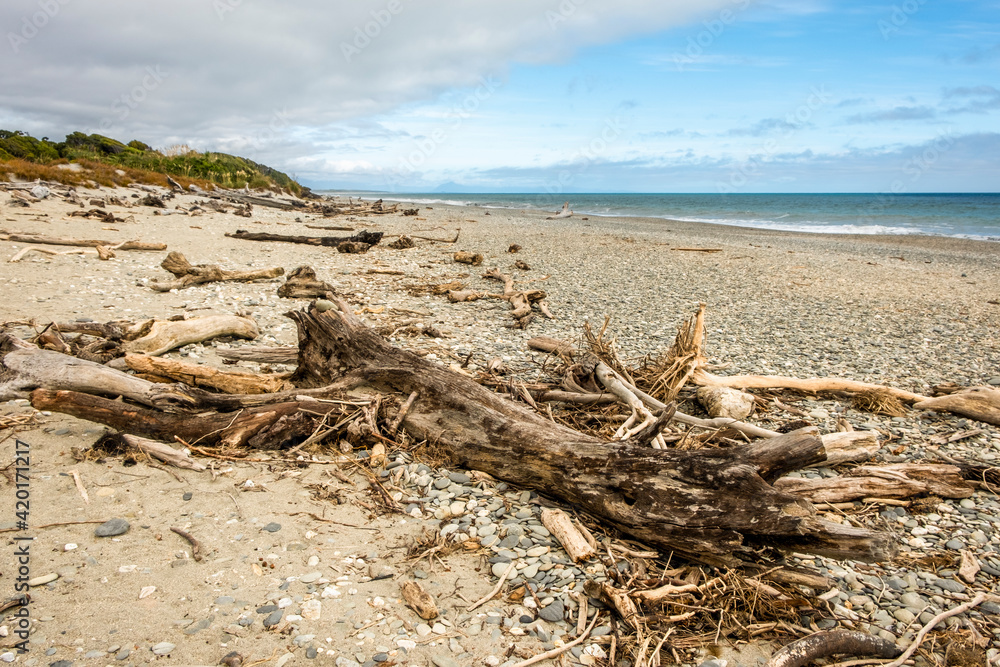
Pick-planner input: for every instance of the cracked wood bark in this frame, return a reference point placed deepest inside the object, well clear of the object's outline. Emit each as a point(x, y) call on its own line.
point(188, 274)
point(707, 505)
point(901, 480)
point(371, 238)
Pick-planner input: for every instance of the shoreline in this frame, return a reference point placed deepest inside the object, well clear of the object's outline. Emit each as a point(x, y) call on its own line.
point(773, 226)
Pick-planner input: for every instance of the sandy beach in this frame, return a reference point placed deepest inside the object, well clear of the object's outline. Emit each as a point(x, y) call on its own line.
point(907, 311)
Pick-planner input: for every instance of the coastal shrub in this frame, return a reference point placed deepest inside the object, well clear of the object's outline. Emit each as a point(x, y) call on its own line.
point(180, 162)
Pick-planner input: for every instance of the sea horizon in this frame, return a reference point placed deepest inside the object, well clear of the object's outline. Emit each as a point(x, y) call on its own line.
point(973, 215)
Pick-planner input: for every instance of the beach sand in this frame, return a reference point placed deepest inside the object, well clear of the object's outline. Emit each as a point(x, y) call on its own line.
point(907, 311)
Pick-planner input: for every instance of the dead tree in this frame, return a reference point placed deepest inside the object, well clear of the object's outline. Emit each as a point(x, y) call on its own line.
point(709, 505)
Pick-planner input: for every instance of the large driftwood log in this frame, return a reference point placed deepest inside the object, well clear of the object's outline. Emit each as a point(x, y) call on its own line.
point(165, 336)
point(707, 505)
point(979, 403)
point(188, 274)
point(24, 367)
point(371, 238)
point(20, 237)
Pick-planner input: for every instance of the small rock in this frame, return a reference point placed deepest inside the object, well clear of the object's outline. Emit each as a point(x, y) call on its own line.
point(553, 613)
point(443, 661)
point(42, 580)
point(272, 527)
point(163, 648)
point(273, 618)
point(112, 527)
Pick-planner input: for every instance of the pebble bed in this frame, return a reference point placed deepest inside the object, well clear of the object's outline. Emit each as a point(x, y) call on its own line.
point(777, 304)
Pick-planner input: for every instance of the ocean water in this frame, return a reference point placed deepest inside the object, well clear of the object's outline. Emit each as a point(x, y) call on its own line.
point(974, 216)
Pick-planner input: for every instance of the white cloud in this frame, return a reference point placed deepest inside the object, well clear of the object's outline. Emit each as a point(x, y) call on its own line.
point(227, 68)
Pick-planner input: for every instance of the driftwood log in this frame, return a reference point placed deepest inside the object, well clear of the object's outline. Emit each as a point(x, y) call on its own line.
point(520, 300)
point(20, 237)
point(708, 505)
point(198, 375)
point(188, 274)
point(979, 403)
point(302, 283)
point(371, 238)
point(163, 336)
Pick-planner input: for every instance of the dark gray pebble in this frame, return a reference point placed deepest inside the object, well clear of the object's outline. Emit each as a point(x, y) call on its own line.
point(274, 618)
point(267, 609)
point(188, 496)
point(272, 527)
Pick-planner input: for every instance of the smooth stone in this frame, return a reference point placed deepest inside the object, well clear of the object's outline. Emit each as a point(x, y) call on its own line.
point(112, 527)
point(311, 653)
point(553, 613)
point(42, 580)
point(225, 599)
point(272, 527)
point(163, 648)
point(950, 585)
point(500, 568)
point(956, 545)
point(459, 478)
point(310, 577)
point(90, 655)
point(442, 483)
point(443, 661)
point(123, 654)
point(274, 618)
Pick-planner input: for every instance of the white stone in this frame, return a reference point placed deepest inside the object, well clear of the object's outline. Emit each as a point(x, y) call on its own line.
point(312, 610)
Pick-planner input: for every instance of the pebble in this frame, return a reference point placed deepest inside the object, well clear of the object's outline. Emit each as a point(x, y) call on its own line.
point(553, 612)
point(163, 648)
point(272, 527)
point(42, 580)
point(112, 527)
point(273, 618)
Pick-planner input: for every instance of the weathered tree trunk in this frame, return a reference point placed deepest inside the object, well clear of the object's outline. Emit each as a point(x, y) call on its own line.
point(188, 274)
point(274, 426)
point(371, 238)
point(707, 505)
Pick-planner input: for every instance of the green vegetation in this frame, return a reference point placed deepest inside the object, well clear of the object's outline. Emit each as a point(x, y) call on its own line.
point(21, 154)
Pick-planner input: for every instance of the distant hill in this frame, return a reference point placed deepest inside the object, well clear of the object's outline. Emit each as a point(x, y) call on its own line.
point(110, 162)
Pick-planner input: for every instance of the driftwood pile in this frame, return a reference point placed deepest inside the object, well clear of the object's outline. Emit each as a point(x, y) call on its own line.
point(695, 488)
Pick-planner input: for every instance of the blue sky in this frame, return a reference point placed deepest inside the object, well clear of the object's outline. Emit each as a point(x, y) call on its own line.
point(570, 95)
